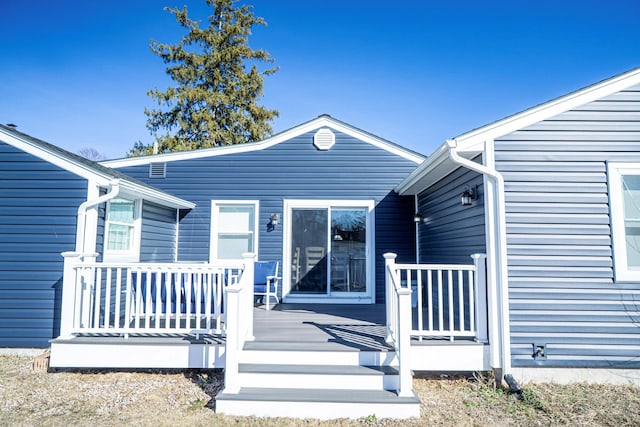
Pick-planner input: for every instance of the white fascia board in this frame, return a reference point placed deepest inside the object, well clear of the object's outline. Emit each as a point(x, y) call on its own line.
point(323, 121)
point(99, 178)
point(432, 170)
point(474, 140)
point(155, 196)
point(55, 159)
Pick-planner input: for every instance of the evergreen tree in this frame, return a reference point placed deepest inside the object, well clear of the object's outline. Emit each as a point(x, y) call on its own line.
point(218, 84)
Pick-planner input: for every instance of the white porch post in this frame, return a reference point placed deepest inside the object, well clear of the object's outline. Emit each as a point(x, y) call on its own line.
point(248, 278)
point(404, 342)
point(233, 342)
point(69, 289)
point(389, 261)
point(480, 279)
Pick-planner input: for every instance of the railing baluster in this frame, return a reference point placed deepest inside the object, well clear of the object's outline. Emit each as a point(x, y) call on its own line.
point(471, 302)
point(460, 302)
point(430, 298)
point(138, 305)
point(107, 299)
point(418, 299)
point(440, 303)
point(450, 292)
point(118, 298)
point(97, 299)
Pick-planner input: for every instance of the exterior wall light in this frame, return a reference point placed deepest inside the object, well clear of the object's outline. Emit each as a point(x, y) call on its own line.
point(274, 220)
point(469, 195)
point(417, 217)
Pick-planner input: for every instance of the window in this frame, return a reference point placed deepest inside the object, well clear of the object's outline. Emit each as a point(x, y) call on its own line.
point(624, 200)
point(122, 230)
point(234, 229)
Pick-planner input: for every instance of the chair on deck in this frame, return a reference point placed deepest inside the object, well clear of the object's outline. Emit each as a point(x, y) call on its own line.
point(265, 279)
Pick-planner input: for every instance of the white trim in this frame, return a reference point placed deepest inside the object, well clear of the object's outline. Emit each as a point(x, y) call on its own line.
point(615, 171)
point(546, 110)
point(213, 237)
point(133, 253)
point(90, 222)
point(55, 159)
point(368, 297)
point(322, 121)
point(470, 143)
point(86, 172)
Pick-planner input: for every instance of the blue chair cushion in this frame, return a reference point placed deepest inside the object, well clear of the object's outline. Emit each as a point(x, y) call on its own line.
point(262, 271)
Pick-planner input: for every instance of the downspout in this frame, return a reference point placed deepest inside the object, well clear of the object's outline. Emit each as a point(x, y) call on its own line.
point(501, 252)
point(114, 190)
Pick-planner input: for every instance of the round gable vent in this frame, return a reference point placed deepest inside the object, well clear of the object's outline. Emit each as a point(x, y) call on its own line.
point(324, 139)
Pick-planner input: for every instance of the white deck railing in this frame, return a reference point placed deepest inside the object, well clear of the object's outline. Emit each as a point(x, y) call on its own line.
point(126, 298)
point(433, 300)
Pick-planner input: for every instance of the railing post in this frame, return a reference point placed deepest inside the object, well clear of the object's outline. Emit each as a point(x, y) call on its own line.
point(248, 278)
point(233, 342)
point(389, 261)
point(69, 289)
point(480, 279)
point(404, 342)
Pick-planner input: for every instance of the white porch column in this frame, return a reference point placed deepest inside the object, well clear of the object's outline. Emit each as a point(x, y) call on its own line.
point(389, 262)
point(248, 278)
point(234, 340)
point(404, 342)
point(69, 289)
point(480, 279)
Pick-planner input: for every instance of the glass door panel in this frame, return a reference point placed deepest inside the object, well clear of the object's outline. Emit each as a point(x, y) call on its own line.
point(309, 232)
point(348, 250)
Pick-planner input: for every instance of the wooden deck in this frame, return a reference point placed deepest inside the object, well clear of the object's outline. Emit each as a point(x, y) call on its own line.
point(286, 327)
point(359, 326)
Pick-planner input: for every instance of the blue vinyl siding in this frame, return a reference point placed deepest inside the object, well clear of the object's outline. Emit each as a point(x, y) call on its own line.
point(38, 202)
point(293, 169)
point(158, 235)
point(562, 290)
point(450, 232)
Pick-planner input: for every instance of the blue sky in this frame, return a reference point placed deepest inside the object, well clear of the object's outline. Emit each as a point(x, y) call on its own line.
point(76, 73)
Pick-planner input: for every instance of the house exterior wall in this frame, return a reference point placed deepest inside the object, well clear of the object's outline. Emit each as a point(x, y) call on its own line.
point(293, 169)
point(38, 205)
point(450, 232)
point(158, 235)
point(562, 291)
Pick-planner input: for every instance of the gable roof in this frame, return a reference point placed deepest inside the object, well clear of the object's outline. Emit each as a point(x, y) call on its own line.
point(471, 143)
point(86, 168)
point(323, 121)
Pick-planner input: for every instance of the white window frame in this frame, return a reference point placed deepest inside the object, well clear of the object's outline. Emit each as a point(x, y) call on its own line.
point(615, 172)
point(215, 211)
point(367, 297)
point(133, 253)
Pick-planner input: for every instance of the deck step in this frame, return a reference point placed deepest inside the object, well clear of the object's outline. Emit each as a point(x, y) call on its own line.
point(315, 353)
point(317, 403)
point(319, 376)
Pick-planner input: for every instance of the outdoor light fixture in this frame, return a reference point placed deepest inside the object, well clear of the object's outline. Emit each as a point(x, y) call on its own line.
point(469, 195)
point(417, 217)
point(274, 220)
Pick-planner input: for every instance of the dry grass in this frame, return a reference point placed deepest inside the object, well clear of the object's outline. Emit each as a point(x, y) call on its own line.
point(33, 397)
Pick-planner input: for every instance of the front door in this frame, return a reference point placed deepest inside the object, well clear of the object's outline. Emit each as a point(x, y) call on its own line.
point(327, 250)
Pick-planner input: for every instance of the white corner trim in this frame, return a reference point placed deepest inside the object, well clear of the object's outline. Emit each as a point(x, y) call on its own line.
point(323, 121)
